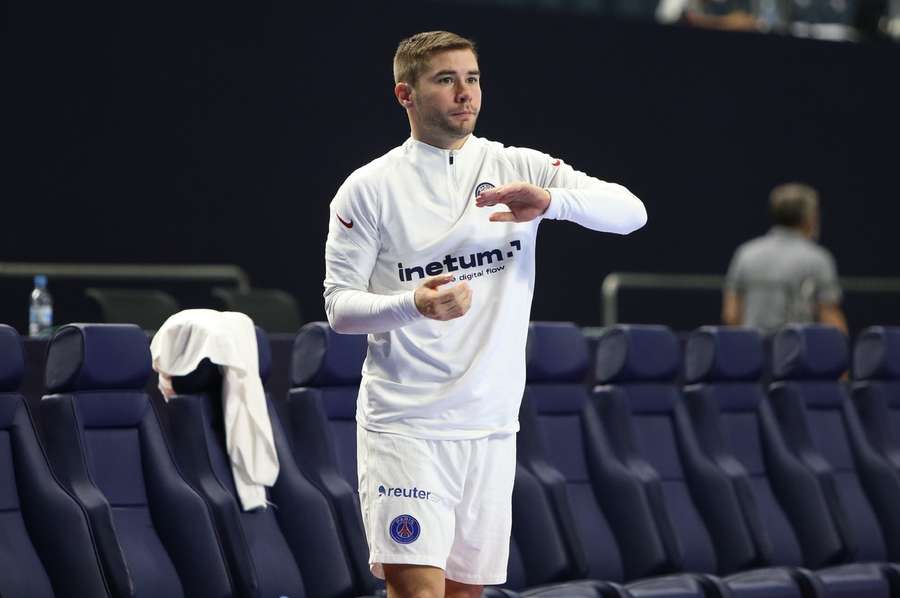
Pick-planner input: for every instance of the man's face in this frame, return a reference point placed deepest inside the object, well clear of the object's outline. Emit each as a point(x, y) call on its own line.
point(447, 96)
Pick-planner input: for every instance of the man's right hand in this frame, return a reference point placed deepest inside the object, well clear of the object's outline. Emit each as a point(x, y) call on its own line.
point(446, 304)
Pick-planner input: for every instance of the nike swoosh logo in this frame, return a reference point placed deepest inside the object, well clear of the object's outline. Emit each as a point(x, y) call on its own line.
point(344, 222)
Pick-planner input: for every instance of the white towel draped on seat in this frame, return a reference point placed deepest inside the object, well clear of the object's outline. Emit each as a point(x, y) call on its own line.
point(227, 339)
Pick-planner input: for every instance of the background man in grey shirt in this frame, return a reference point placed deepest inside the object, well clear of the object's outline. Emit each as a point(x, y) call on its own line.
point(784, 276)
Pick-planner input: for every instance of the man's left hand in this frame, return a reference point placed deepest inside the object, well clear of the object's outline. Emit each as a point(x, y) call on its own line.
point(524, 200)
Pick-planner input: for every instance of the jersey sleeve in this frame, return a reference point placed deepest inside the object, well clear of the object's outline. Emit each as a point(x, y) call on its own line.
point(350, 253)
point(578, 197)
point(828, 289)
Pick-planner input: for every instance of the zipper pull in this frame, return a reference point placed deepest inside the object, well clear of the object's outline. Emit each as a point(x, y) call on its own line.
point(451, 158)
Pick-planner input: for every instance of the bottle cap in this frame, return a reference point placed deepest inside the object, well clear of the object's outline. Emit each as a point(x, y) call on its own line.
point(40, 280)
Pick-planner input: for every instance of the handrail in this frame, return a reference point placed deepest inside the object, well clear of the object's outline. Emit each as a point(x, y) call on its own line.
point(130, 271)
point(615, 281)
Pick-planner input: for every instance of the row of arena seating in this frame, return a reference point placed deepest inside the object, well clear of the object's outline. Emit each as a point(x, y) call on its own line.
point(636, 487)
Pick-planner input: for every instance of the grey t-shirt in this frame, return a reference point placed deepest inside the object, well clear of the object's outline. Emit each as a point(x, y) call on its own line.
point(781, 277)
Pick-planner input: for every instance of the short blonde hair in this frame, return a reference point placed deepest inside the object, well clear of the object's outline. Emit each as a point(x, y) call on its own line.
point(414, 52)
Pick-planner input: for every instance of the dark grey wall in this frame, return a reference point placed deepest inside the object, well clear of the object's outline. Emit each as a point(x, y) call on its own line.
point(144, 133)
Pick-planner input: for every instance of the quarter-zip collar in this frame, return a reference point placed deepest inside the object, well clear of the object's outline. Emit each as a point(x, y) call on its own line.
point(448, 157)
point(445, 170)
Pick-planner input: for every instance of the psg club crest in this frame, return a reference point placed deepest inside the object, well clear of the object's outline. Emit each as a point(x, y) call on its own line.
point(405, 529)
point(482, 187)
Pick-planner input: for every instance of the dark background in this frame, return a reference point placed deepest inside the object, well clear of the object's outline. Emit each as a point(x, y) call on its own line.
point(149, 133)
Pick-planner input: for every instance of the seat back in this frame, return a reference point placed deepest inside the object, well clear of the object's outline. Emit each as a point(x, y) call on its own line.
point(154, 534)
point(823, 431)
point(147, 308)
point(735, 428)
point(289, 549)
point(558, 444)
point(273, 310)
point(842, 13)
point(876, 388)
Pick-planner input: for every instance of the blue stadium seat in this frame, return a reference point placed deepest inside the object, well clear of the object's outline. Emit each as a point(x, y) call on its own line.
point(320, 418)
point(642, 411)
point(876, 393)
point(291, 548)
point(561, 444)
point(823, 433)
point(33, 506)
point(320, 414)
point(154, 534)
point(538, 551)
point(735, 429)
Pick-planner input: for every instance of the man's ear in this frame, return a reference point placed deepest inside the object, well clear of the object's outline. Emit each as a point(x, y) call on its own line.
point(404, 94)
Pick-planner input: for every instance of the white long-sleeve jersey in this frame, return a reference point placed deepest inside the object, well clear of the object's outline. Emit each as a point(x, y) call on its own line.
point(410, 215)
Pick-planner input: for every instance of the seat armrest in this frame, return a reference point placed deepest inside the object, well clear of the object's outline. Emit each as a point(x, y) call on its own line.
point(66, 451)
point(799, 494)
point(632, 509)
point(188, 430)
point(75, 569)
point(303, 513)
point(716, 498)
point(182, 518)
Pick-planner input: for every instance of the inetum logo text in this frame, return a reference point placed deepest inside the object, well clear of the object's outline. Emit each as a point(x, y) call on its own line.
point(454, 263)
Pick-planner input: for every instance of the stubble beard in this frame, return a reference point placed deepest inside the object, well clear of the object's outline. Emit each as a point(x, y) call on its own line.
point(444, 123)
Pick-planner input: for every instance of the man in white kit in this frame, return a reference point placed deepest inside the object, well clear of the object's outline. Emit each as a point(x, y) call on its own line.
point(430, 252)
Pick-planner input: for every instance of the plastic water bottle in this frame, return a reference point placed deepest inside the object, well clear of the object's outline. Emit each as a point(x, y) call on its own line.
point(40, 311)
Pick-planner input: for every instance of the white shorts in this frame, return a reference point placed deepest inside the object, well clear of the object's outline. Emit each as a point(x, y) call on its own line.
point(444, 503)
